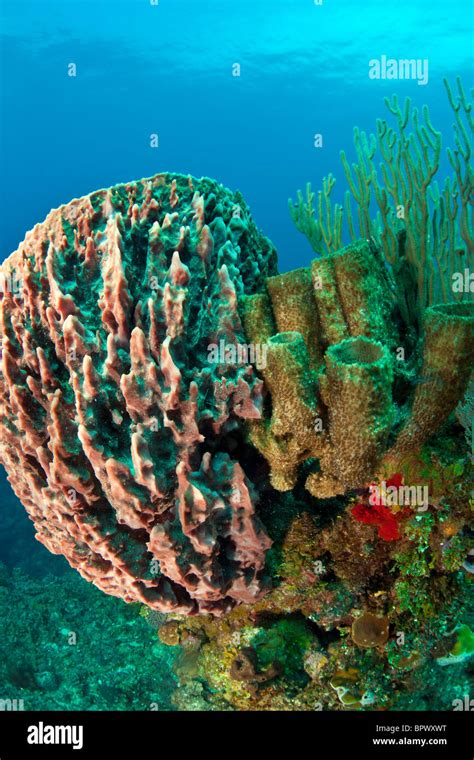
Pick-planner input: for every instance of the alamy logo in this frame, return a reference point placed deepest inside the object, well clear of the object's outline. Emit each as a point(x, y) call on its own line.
point(392, 495)
point(238, 353)
point(11, 283)
point(466, 703)
point(404, 68)
point(42, 734)
point(463, 282)
point(11, 705)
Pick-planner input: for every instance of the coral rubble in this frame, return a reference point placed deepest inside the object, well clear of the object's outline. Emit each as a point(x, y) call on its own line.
point(67, 646)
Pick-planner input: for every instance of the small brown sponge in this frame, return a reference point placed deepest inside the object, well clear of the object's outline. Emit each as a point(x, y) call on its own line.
point(369, 630)
point(119, 388)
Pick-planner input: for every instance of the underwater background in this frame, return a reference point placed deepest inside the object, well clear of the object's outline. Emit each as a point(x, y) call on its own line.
point(167, 70)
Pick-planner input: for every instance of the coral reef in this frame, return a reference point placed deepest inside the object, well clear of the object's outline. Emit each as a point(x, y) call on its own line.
point(354, 621)
point(127, 444)
point(271, 464)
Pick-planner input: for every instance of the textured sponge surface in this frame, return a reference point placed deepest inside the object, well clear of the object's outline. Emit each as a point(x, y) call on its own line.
point(112, 415)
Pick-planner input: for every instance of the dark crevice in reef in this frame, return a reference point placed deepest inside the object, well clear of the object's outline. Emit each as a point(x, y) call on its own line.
point(325, 637)
point(35, 465)
point(235, 445)
point(138, 245)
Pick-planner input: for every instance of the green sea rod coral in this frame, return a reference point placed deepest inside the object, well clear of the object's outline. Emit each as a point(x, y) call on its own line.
point(425, 231)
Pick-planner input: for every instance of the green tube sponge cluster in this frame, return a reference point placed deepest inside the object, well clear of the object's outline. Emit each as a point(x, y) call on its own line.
point(347, 392)
point(354, 294)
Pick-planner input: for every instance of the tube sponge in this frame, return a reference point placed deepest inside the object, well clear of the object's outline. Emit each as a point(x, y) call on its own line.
point(357, 390)
point(294, 309)
point(288, 438)
point(349, 317)
point(354, 294)
point(257, 317)
point(448, 359)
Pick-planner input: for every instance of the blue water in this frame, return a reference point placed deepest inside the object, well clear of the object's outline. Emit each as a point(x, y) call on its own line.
point(167, 69)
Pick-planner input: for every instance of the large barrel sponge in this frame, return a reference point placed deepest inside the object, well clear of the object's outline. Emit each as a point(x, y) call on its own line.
point(111, 413)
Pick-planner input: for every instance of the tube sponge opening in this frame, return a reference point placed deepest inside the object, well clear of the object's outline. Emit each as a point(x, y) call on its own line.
point(357, 390)
point(357, 351)
point(462, 310)
point(286, 338)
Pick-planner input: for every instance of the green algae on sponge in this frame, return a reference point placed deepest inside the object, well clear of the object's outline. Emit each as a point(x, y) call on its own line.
point(257, 317)
point(354, 294)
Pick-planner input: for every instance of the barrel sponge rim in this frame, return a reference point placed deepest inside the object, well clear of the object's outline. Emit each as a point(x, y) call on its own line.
point(359, 350)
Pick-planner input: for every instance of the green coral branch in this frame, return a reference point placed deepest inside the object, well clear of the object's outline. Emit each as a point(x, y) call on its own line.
point(425, 232)
point(323, 232)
